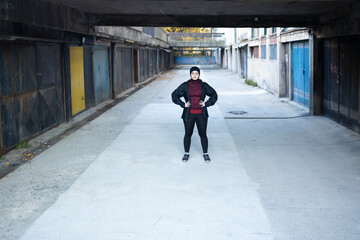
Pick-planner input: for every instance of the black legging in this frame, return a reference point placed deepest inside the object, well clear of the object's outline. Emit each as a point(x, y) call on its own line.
point(201, 124)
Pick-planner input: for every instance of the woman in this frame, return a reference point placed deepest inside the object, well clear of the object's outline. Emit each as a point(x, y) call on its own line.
point(194, 92)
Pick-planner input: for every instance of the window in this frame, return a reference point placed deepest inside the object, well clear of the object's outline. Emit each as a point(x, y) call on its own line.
point(265, 31)
point(273, 30)
point(254, 32)
point(273, 51)
point(254, 52)
point(263, 51)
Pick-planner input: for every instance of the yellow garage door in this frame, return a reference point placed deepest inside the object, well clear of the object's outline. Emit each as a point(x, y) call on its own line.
point(77, 79)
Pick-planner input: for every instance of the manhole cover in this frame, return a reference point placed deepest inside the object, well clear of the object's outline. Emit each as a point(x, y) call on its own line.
point(238, 112)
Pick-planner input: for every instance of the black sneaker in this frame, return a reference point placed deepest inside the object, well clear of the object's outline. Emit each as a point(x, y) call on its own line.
point(206, 158)
point(185, 157)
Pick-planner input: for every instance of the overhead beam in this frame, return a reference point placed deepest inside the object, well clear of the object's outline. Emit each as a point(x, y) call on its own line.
point(43, 14)
point(205, 21)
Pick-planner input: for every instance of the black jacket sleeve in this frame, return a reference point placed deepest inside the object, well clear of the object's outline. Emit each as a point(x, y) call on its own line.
point(212, 94)
point(177, 94)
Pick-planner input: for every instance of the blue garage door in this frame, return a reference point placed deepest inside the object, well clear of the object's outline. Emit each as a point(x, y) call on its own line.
point(300, 66)
point(101, 73)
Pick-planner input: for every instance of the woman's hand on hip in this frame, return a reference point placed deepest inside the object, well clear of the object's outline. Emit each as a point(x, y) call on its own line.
point(187, 104)
point(202, 104)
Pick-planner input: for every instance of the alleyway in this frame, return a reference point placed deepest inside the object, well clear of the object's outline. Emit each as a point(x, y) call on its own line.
point(275, 173)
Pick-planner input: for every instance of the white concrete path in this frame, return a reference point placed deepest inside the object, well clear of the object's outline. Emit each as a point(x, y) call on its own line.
point(138, 188)
point(121, 176)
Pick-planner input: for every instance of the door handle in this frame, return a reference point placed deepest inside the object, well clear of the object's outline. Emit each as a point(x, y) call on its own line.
point(82, 97)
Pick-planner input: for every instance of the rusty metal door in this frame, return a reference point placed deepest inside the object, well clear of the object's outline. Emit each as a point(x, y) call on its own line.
point(341, 81)
point(151, 63)
point(154, 62)
point(31, 90)
point(101, 73)
point(146, 64)
point(19, 98)
point(331, 77)
point(88, 77)
point(349, 82)
point(127, 68)
point(141, 64)
point(162, 60)
point(118, 84)
point(50, 85)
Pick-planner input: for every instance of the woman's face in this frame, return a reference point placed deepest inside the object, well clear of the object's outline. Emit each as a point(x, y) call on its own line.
point(194, 75)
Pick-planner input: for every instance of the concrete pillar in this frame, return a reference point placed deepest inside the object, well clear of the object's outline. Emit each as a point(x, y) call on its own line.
point(315, 78)
point(157, 60)
point(224, 58)
point(148, 62)
point(67, 80)
point(112, 70)
point(219, 56)
point(282, 69)
point(238, 67)
point(136, 68)
point(229, 64)
point(233, 59)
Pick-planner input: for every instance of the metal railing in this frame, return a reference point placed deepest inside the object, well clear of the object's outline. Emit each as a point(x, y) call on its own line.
point(196, 39)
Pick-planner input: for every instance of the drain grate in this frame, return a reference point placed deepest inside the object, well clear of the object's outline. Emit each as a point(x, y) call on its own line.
point(238, 112)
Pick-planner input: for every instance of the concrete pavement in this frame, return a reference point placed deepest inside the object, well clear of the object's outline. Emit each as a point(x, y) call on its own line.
point(269, 178)
point(138, 188)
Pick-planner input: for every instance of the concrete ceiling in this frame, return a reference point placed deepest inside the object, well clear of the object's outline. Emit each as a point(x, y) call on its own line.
point(207, 13)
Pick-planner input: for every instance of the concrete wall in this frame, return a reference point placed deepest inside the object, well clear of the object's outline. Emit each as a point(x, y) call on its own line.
point(131, 34)
point(160, 34)
point(294, 34)
point(265, 73)
point(19, 15)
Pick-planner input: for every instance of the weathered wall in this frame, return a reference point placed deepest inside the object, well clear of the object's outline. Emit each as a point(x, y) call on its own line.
point(132, 35)
point(44, 14)
point(265, 73)
point(160, 34)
